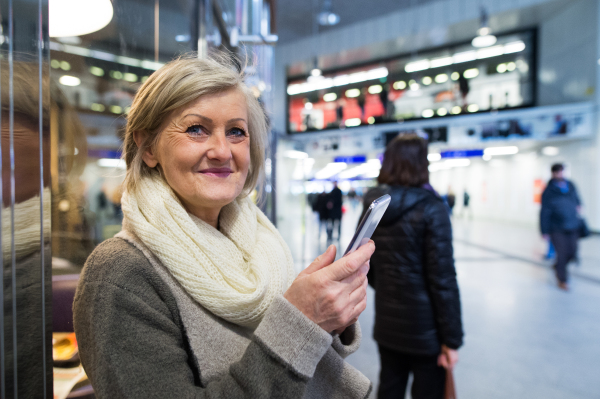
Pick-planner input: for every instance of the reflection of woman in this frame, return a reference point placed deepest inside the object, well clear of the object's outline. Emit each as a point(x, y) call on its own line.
point(25, 230)
point(417, 308)
point(196, 296)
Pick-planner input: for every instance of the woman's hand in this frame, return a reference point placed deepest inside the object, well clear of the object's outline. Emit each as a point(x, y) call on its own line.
point(448, 358)
point(333, 294)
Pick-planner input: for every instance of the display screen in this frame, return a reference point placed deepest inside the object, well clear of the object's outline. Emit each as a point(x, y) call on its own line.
point(455, 80)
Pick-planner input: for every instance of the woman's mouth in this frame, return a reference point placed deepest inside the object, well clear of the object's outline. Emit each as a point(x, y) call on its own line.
point(217, 172)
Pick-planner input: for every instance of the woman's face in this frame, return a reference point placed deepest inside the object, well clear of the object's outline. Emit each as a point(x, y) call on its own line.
point(204, 151)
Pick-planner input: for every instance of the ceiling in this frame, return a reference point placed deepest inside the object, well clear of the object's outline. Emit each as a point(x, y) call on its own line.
point(298, 19)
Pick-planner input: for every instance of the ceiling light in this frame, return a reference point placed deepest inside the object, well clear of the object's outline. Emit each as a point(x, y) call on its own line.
point(308, 105)
point(399, 85)
point(471, 73)
point(511, 66)
point(353, 93)
point(484, 41)
point(483, 31)
point(97, 107)
point(501, 68)
point(484, 38)
point(353, 122)
point(550, 151)
point(375, 89)
point(456, 110)
point(96, 71)
point(465, 56)
point(442, 112)
point(510, 150)
point(340, 80)
point(67, 80)
point(414, 86)
point(130, 77)
point(415, 66)
point(473, 108)
point(78, 17)
point(427, 113)
point(514, 47)
point(441, 78)
point(427, 80)
point(455, 76)
point(315, 72)
point(371, 120)
point(115, 109)
point(490, 52)
point(440, 62)
point(327, 97)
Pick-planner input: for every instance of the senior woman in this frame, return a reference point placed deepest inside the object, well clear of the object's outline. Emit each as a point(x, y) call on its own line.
point(196, 297)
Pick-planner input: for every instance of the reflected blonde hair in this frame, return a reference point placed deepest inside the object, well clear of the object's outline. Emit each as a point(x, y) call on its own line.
point(177, 84)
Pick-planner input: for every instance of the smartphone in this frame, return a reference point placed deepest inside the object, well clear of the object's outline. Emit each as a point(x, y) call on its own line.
point(369, 223)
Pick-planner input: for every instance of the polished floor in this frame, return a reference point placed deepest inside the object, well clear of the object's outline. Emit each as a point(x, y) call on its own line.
point(524, 338)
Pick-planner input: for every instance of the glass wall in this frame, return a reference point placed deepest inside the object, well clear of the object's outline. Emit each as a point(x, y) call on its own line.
point(28, 98)
point(69, 72)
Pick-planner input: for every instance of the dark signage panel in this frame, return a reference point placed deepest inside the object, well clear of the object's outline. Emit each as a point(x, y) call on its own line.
point(455, 80)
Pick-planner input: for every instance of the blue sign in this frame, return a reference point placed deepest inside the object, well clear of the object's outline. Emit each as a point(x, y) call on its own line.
point(352, 159)
point(461, 154)
point(100, 153)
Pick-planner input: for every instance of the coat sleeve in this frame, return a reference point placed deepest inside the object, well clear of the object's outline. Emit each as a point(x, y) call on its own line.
point(545, 213)
point(440, 275)
point(132, 346)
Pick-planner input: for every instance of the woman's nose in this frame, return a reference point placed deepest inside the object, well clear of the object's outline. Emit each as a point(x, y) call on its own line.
point(218, 147)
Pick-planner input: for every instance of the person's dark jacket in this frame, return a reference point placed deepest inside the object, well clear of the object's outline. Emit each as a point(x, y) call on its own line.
point(335, 206)
point(417, 303)
point(321, 206)
point(559, 209)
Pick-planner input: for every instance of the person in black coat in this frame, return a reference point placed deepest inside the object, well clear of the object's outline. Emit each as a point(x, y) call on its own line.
point(560, 221)
point(335, 211)
point(418, 325)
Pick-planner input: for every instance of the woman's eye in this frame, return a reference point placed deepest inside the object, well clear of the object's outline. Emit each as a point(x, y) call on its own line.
point(237, 133)
point(195, 131)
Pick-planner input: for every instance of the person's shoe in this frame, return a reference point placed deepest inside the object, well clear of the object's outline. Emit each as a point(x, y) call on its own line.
point(563, 286)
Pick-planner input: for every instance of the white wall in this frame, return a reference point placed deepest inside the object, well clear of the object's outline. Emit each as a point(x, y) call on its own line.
point(503, 188)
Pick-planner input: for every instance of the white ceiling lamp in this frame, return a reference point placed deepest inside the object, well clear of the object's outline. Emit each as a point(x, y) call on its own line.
point(327, 17)
point(78, 17)
point(315, 71)
point(484, 37)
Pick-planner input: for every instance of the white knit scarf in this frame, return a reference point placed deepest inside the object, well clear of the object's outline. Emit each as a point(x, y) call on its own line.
point(234, 272)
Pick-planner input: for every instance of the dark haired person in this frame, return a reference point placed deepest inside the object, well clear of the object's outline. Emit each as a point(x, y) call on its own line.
point(559, 221)
point(417, 307)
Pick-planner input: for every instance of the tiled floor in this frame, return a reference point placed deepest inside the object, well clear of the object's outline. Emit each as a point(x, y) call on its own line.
point(524, 337)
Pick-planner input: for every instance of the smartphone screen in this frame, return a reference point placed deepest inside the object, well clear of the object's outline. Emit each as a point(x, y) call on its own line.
point(369, 223)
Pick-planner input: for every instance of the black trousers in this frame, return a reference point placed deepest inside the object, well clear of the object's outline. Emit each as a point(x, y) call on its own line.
point(428, 378)
point(565, 244)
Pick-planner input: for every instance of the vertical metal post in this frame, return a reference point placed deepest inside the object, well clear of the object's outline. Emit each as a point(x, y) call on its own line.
point(156, 29)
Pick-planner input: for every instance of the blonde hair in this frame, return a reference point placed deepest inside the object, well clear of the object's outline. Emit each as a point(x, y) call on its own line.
point(179, 83)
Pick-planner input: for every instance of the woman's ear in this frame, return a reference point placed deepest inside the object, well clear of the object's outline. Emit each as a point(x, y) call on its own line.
point(149, 157)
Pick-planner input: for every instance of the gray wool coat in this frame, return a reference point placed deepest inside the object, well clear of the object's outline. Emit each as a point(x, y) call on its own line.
point(141, 335)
